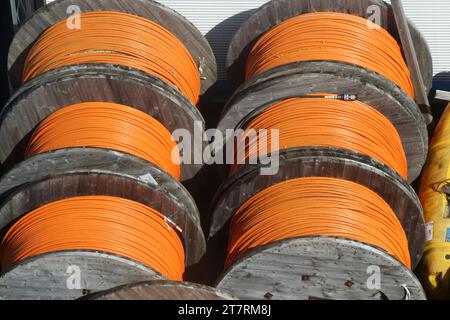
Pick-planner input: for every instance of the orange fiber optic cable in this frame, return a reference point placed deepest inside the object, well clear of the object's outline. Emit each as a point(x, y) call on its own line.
point(98, 223)
point(110, 126)
point(334, 37)
point(316, 207)
point(318, 122)
point(117, 38)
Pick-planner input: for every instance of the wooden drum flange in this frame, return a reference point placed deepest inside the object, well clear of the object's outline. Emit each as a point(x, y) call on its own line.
point(74, 172)
point(161, 290)
point(56, 11)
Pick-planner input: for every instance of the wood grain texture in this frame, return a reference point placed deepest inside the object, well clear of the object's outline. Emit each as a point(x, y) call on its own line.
point(318, 267)
point(325, 162)
point(46, 277)
point(76, 172)
point(161, 290)
point(277, 11)
point(56, 89)
point(302, 78)
point(56, 11)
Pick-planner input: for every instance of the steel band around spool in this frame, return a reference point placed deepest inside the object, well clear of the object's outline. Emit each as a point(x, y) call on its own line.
point(56, 11)
point(73, 172)
point(290, 265)
point(65, 86)
point(161, 290)
point(275, 12)
point(309, 77)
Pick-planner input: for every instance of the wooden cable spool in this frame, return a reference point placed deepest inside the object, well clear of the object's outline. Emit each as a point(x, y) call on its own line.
point(56, 11)
point(161, 290)
point(331, 267)
point(73, 172)
point(275, 12)
point(310, 77)
point(46, 94)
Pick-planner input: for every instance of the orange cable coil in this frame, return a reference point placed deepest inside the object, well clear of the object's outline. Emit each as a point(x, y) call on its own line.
point(322, 122)
point(110, 126)
point(316, 207)
point(98, 223)
point(117, 38)
point(331, 36)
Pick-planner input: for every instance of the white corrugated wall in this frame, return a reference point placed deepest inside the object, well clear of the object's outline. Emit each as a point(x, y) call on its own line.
point(218, 20)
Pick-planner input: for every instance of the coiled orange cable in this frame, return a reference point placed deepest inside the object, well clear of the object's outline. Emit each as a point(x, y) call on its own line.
point(303, 122)
point(334, 37)
point(98, 223)
point(110, 126)
point(117, 38)
point(316, 207)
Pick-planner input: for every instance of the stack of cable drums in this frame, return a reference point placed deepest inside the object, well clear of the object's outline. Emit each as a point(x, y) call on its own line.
point(93, 194)
point(339, 219)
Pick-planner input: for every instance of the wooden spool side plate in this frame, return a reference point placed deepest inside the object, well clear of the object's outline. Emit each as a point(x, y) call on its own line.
point(56, 11)
point(313, 268)
point(161, 290)
point(69, 173)
point(46, 277)
point(56, 89)
point(310, 77)
point(275, 12)
point(325, 162)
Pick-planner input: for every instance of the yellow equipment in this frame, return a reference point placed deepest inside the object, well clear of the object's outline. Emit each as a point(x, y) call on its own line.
point(435, 266)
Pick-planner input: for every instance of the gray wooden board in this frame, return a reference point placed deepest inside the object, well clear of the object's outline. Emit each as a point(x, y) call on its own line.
point(275, 12)
point(56, 11)
point(46, 277)
point(161, 290)
point(302, 78)
point(318, 267)
point(74, 172)
point(56, 89)
point(325, 162)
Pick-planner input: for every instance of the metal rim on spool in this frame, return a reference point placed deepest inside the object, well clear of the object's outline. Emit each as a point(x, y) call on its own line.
point(69, 275)
point(89, 171)
point(56, 11)
point(325, 162)
point(275, 12)
point(58, 88)
point(373, 89)
point(314, 268)
point(161, 290)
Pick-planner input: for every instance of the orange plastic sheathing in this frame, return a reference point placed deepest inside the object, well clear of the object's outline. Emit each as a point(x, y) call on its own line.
point(334, 37)
point(98, 223)
point(435, 265)
point(319, 122)
point(110, 126)
point(117, 38)
point(316, 207)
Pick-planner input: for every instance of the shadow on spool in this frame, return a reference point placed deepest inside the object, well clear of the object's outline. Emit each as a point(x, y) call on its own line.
point(275, 12)
point(161, 290)
point(303, 78)
point(65, 86)
point(328, 264)
point(56, 11)
point(73, 172)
